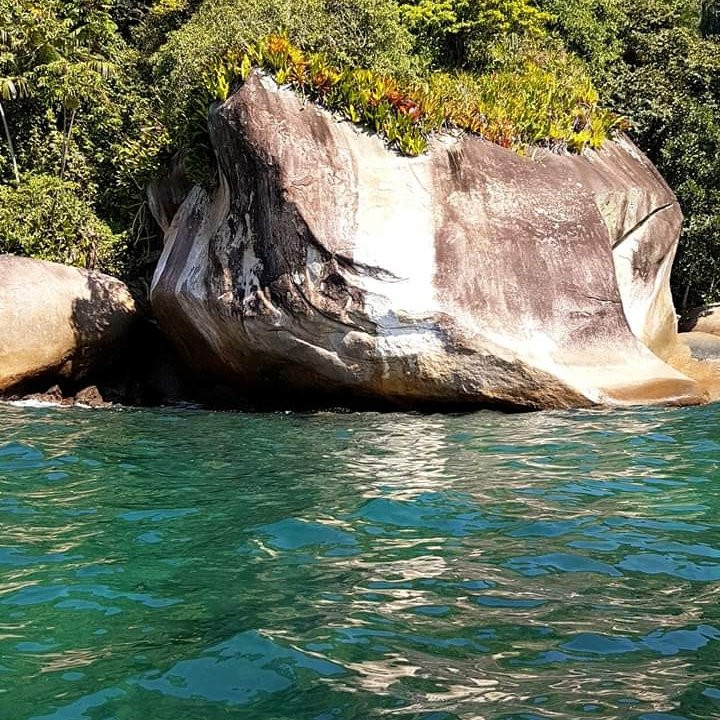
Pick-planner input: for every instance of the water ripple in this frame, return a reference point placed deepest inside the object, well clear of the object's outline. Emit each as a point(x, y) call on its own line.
point(185, 565)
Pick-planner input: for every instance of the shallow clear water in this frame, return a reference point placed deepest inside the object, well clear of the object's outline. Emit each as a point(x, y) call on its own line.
point(192, 566)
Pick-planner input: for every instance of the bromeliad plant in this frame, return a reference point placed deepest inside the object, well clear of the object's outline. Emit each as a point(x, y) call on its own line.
point(361, 96)
point(527, 105)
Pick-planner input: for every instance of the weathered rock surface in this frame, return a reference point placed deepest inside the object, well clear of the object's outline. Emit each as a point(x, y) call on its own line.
point(326, 265)
point(166, 194)
point(702, 345)
point(57, 322)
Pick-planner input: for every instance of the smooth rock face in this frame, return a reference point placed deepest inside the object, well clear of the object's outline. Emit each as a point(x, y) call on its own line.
point(57, 322)
point(703, 346)
point(327, 265)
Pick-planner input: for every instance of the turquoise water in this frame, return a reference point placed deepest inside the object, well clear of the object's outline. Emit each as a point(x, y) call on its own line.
point(180, 565)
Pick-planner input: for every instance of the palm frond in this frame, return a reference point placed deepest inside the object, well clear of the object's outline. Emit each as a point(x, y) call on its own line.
point(13, 87)
point(103, 67)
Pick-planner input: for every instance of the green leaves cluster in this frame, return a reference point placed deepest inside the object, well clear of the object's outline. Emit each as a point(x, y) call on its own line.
point(462, 33)
point(55, 51)
point(45, 217)
point(354, 33)
point(75, 109)
point(399, 112)
point(679, 123)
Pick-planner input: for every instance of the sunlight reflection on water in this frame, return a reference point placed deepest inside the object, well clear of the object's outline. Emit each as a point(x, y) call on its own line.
point(327, 566)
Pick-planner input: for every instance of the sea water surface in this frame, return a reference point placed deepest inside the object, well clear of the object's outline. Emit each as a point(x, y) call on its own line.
point(183, 565)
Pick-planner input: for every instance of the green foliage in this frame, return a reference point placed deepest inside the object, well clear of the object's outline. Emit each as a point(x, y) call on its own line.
point(77, 110)
point(45, 218)
point(97, 95)
point(461, 33)
point(363, 96)
point(651, 63)
point(362, 33)
point(710, 17)
point(544, 98)
point(54, 50)
point(591, 29)
point(671, 90)
point(147, 23)
point(541, 98)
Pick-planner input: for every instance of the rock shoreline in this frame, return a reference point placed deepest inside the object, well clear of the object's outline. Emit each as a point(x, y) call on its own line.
point(325, 270)
point(90, 397)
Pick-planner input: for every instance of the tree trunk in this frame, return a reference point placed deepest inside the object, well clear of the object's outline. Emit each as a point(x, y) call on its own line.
point(685, 297)
point(66, 143)
point(10, 144)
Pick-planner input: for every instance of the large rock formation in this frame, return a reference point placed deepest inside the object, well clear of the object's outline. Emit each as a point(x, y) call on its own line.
point(327, 265)
point(57, 322)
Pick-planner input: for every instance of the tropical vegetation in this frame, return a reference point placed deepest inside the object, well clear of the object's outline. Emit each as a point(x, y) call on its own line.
point(98, 96)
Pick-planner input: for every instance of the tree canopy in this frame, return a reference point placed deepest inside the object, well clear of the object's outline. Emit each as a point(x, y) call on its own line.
point(96, 97)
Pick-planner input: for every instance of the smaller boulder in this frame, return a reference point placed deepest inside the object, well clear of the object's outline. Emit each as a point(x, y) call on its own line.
point(58, 323)
point(91, 397)
point(51, 396)
point(703, 320)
